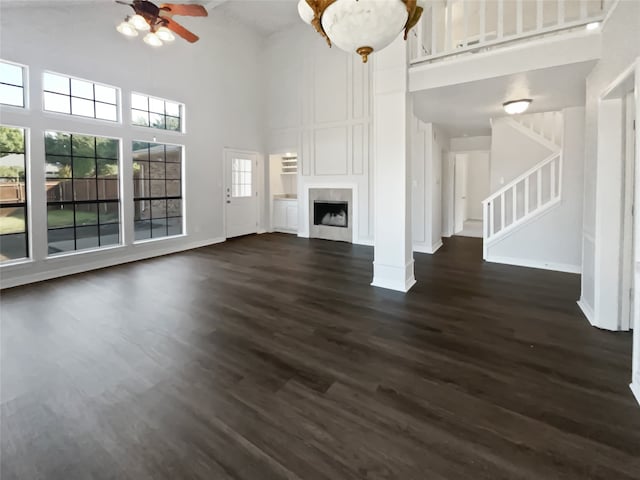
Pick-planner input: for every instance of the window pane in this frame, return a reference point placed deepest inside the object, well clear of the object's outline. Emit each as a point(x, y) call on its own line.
point(108, 189)
point(174, 226)
point(109, 234)
point(108, 168)
point(56, 83)
point(174, 208)
point(57, 103)
point(86, 214)
point(156, 106)
point(105, 94)
point(139, 102)
point(140, 118)
point(173, 123)
point(11, 167)
point(142, 210)
point(159, 228)
point(13, 246)
point(141, 170)
point(59, 190)
point(156, 152)
point(106, 112)
point(142, 230)
point(61, 240)
point(140, 151)
point(80, 88)
point(57, 143)
point(157, 170)
point(157, 188)
point(85, 189)
point(83, 146)
point(82, 107)
point(58, 166)
point(173, 188)
point(173, 171)
point(172, 109)
point(158, 208)
point(156, 120)
point(11, 140)
point(84, 167)
point(12, 220)
point(87, 237)
point(107, 147)
point(10, 95)
point(60, 216)
point(174, 153)
point(11, 74)
point(109, 212)
point(141, 188)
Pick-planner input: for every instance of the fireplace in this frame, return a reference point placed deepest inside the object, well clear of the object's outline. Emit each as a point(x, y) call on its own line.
point(331, 213)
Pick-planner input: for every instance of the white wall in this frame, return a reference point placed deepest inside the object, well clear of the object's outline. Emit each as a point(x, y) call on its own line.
point(552, 240)
point(319, 104)
point(466, 144)
point(478, 183)
point(620, 47)
point(218, 79)
point(428, 144)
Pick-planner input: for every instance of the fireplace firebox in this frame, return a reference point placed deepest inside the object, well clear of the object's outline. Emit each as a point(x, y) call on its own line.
point(331, 213)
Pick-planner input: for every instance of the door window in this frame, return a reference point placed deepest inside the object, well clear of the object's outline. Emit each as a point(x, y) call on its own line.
point(241, 178)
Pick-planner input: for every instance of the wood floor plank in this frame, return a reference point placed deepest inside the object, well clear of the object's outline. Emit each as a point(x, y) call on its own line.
point(271, 357)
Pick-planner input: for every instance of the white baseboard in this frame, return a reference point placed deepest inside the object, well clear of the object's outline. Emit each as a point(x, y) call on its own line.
point(635, 388)
point(424, 248)
point(587, 311)
point(523, 262)
point(97, 264)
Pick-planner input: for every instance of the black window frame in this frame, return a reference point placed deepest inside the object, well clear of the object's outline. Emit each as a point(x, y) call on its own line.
point(97, 201)
point(166, 198)
point(23, 86)
point(71, 96)
point(148, 112)
point(25, 204)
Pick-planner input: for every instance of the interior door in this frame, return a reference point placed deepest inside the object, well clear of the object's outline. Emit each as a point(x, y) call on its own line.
point(240, 193)
point(460, 195)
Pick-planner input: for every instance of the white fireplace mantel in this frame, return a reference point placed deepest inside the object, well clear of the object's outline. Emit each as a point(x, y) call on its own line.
point(303, 210)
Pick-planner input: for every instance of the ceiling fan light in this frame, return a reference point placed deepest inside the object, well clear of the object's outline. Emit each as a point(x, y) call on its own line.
point(127, 29)
point(152, 39)
point(139, 22)
point(516, 107)
point(166, 35)
point(305, 11)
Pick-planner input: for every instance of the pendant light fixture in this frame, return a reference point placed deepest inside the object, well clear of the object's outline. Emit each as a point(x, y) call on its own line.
point(361, 26)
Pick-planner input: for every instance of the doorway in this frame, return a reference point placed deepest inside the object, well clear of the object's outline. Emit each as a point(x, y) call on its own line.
point(240, 193)
point(470, 188)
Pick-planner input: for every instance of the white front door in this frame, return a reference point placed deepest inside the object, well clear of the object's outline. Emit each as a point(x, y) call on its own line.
point(240, 193)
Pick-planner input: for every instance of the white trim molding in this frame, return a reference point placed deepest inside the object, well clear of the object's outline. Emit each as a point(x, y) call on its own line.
point(523, 262)
point(392, 277)
point(587, 311)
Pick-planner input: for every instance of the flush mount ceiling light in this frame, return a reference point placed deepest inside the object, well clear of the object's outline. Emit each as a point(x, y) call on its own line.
point(158, 21)
point(361, 26)
point(592, 25)
point(516, 107)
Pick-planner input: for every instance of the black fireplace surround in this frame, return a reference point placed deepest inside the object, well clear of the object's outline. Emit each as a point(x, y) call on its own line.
point(332, 214)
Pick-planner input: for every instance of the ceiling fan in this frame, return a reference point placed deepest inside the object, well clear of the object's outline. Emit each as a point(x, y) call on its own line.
point(158, 21)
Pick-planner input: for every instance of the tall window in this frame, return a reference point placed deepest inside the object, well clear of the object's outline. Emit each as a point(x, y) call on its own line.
point(11, 84)
point(157, 190)
point(83, 191)
point(13, 195)
point(79, 97)
point(156, 113)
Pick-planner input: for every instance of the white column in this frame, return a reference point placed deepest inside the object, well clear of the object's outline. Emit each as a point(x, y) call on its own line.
point(393, 259)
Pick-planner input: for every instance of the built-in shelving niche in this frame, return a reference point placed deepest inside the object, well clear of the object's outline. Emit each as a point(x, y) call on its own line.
point(289, 165)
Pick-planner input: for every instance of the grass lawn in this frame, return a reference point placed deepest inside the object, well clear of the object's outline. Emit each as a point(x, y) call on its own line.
point(55, 219)
point(11, 224)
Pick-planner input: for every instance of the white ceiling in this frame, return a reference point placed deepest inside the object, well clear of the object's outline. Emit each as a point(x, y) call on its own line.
point(265, 16)
point(467, 108)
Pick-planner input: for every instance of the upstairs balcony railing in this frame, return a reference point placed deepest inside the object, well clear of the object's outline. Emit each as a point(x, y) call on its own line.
point(453, 27)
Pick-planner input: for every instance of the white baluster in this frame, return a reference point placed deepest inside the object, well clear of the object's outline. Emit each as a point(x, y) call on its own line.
point(448, 26)
point(518, 17)
point(552, 170)
point(500, 18)
point(526, 196)
point(502, 211)
point(483, 20)
point(539, 14)
point(514, 195)
point(435, 13)
point(492, 214)
point(419, 32)
point(539, 186)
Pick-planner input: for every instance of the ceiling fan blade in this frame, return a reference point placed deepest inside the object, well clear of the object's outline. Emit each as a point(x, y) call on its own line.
point(180, 30)
point(184, 10)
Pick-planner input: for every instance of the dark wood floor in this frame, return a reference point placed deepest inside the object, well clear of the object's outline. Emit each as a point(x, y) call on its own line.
point(271, 357)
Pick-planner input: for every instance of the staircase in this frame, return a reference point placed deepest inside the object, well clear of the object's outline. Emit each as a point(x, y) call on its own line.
point(535, 191)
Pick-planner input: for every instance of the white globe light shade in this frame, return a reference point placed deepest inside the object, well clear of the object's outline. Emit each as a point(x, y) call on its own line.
point(127, 29)
point(305, 11)
point(152, 39)
point(516, 107)
point(165, 34)
point(140, 23)
point(352, 24)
